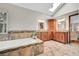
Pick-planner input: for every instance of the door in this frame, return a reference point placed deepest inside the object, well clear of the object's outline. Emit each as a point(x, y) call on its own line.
point(74, 27)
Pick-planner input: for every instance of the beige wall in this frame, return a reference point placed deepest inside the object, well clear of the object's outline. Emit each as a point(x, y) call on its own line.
point(22, 19)
point(66, 17)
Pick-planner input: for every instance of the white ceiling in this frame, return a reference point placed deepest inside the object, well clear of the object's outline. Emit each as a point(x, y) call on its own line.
point(41, 7)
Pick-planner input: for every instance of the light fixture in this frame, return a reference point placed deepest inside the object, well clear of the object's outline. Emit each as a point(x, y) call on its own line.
point(61, 20)
point(40, 20)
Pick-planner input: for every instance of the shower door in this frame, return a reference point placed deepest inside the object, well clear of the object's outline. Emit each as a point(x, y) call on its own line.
point(74, 27)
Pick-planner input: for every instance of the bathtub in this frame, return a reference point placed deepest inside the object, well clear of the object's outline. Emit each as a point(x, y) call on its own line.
point(21, 47)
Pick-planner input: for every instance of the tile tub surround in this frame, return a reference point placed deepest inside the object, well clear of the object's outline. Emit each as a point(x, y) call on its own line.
point(4, 37)
point(12, 35)
point(21, 34)
point(24, 47)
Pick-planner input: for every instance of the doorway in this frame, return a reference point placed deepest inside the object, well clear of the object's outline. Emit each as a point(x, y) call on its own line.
point(74, 27)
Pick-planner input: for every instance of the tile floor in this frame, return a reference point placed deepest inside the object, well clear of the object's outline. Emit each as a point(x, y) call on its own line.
point(53, 48)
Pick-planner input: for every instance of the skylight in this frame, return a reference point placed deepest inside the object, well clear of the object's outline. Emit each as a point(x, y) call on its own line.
point(55, 5)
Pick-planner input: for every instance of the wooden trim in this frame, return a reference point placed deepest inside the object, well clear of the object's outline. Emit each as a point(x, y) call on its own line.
point(75, 41)
point(74, 14)
point(59, 41)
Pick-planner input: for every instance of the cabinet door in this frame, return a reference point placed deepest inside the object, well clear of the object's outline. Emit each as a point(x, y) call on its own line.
point(51, 25)
point(50, 35)
point(43, 36)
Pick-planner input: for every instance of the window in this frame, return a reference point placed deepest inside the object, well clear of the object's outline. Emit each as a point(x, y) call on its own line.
point(3, 22)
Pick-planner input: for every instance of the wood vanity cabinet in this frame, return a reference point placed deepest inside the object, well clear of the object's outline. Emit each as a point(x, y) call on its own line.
point(43, 36)
point(61, 37)
point(53, 34)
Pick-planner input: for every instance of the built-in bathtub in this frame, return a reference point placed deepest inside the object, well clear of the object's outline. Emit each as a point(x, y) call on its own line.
point(21, 47)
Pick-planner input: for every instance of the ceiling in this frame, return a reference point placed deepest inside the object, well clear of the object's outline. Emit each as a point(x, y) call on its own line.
point(39, 7)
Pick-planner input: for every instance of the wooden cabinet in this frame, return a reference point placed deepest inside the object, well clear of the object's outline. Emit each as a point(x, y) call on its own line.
point(53, 34)
point(51, 25)
point(50, 35)
point(43, 36)
point(61, 37)
point(51, 28)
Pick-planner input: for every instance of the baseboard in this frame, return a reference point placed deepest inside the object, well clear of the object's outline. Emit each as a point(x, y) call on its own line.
point(59, 41)
point(75, 41)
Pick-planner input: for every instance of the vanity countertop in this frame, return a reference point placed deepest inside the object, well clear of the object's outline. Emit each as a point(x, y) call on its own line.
point(11, 44)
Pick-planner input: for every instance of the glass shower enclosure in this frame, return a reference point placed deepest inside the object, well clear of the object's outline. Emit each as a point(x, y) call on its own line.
point(74, 27)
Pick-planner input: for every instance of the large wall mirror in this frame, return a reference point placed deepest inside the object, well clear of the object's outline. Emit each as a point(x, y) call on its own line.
point(61, 25)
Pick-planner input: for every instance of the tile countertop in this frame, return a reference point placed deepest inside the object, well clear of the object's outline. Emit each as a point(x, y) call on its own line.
point(11, 44)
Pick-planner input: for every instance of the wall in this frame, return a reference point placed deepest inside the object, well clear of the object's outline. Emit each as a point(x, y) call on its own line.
point(66, 17)
point(64, 12)
point(22, 19)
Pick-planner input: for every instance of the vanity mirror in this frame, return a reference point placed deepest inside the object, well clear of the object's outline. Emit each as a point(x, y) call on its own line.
point(61, 25)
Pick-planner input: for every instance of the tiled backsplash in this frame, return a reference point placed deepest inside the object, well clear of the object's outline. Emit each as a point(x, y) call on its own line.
point(21, 34)
point(16, 35)
point(3, 37)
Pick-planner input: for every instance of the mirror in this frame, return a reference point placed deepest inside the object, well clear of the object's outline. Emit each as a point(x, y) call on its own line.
point(61, 25)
